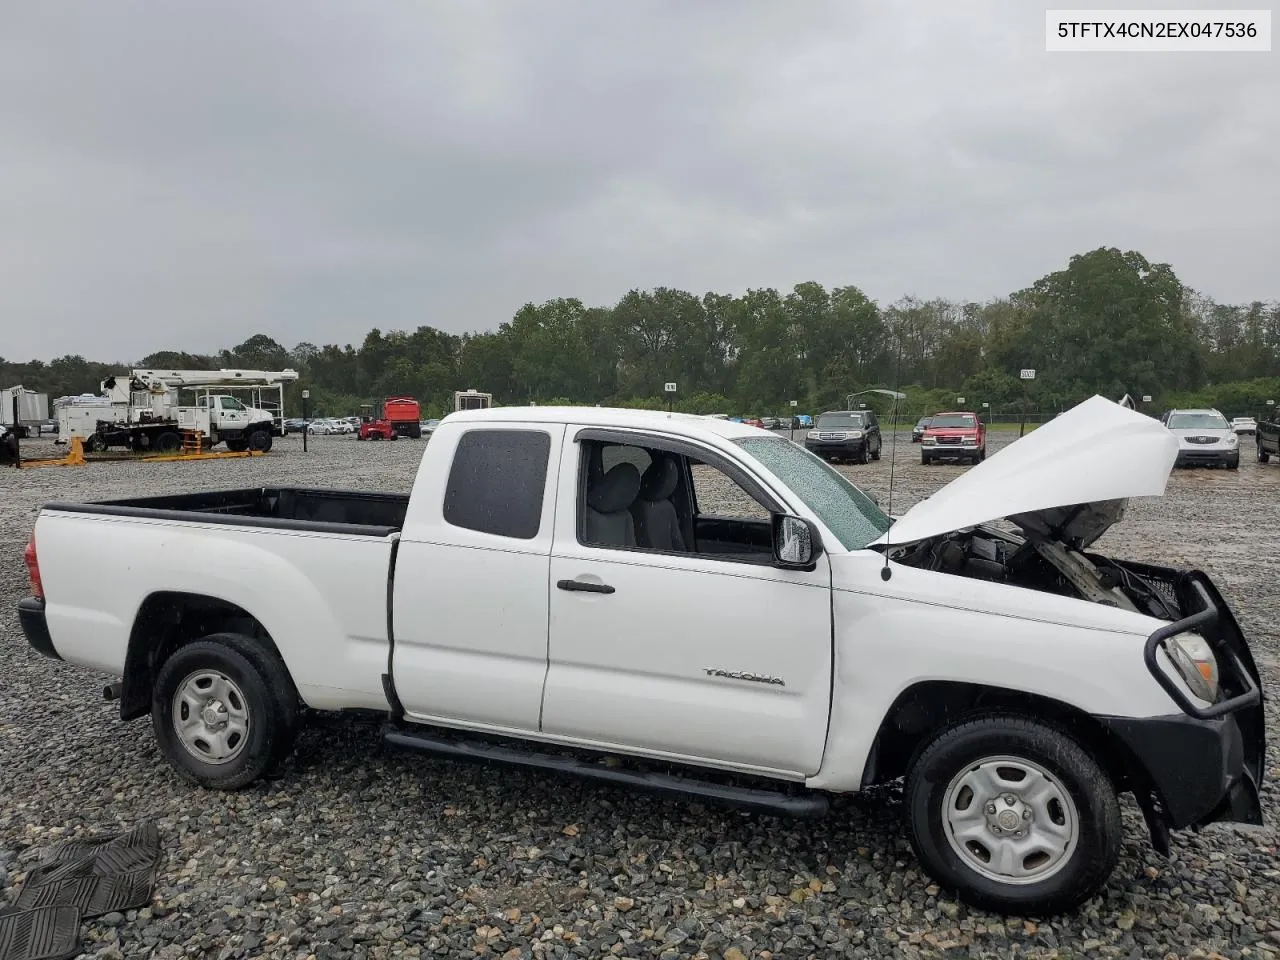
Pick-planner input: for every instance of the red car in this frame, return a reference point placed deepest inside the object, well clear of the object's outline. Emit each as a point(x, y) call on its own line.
point(954, 436)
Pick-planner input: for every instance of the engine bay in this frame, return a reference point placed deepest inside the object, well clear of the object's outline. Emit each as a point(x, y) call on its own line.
point(1028, 559)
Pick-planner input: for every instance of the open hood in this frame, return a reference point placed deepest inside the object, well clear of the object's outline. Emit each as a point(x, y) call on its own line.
point(1066, 480)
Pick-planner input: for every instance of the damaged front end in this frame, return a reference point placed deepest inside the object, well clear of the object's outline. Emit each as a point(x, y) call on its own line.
point(1191, 768)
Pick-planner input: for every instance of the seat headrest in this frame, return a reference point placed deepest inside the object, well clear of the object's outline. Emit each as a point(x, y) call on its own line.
point(616, 490)
point(660, 479)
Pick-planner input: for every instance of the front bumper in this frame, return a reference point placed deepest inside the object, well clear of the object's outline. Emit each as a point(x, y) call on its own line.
point(944, 451)
point(1205, 764)
point(1190, 456)
point(1196, 769)
point(32, 620)
point(836, 448)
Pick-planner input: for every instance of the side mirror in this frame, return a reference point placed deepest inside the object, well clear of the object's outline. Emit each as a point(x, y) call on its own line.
point(797, 544)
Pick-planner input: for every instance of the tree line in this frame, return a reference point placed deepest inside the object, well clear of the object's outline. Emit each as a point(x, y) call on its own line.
point(1110, 322)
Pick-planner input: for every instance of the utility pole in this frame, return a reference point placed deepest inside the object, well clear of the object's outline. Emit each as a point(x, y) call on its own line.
point(306, 421)
point(1026, 375)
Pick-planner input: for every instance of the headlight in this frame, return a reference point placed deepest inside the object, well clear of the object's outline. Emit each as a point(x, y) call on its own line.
point(1232, 440)
point(811, 435)
point(928, 441)
point(1194, 659)
point(854, 435)
point(969, 442)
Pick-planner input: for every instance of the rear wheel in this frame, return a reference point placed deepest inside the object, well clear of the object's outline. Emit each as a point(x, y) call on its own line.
point(224, 710)
point(1263, 456)
point(238, 445)
point(168, 442)
point(1014, 815)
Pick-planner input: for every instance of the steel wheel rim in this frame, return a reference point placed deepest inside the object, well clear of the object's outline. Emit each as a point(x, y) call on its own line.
point(211, 717)
point(1010, 820)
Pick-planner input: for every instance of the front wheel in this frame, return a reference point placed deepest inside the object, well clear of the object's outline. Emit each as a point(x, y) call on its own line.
point(260, 440)
point(925, 459)
point(224, 710)
point(1014, 815)
point(1263, 456)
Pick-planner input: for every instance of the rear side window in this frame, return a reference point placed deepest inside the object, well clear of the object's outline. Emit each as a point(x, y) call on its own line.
point(497, 481)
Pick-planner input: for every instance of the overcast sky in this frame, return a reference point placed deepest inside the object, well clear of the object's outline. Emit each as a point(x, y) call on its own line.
point(181, 175)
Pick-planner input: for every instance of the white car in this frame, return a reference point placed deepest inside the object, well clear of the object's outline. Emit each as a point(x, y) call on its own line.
point(564, 583)
point(1245, 425)
point(1204, 437)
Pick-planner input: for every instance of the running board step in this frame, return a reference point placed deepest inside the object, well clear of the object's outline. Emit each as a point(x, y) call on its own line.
point(806, 804)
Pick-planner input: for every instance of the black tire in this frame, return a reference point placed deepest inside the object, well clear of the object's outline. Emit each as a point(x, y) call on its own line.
point(260, 439)
point(237, 444)
point(268, 696)
point(863, 455)
point(94, 443)
point(875, 454)
point(168, 442)
point(1263, 456)
point(925, 459)
point(1012, 738)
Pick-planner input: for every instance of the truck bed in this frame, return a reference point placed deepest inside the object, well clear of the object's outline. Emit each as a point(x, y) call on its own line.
point(339, 511)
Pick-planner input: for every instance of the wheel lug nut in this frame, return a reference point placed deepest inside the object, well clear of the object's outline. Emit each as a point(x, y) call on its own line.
point(1019, 834)
point(991, 808)
point(1009, 799)
point(1026, 814)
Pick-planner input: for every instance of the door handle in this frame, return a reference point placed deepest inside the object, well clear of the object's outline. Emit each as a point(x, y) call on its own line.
point(584, 586)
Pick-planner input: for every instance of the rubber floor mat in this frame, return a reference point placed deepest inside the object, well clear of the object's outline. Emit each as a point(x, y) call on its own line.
point(49, 933)
point(97, 876)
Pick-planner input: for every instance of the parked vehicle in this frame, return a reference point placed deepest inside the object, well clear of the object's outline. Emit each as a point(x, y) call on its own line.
point(1205, 438)
point(471, 399)
point(848, 435)
point(954, 435)
point(917, 432)
point(394, 417)
point(144, 410)
point(1244, 425)
point(429, 426)
point(1268, 438)
point(756, 422)
point(770, 423)
point(1017, 682)
point(295, 425)
point(30, 409)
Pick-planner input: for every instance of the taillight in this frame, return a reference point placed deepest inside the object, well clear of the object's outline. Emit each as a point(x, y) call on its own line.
point(33, 567)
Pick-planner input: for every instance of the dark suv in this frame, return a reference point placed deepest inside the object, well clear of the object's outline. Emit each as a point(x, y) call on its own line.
point(845, 435)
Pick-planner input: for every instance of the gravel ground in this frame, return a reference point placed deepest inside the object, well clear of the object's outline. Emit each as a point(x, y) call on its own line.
point(362, 851)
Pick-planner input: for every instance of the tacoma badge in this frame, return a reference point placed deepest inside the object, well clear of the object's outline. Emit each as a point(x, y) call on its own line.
point(739, 675)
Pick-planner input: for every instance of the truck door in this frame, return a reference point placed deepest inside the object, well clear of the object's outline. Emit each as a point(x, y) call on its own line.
point(671, 633)
point(231, 414)
point(469, 602)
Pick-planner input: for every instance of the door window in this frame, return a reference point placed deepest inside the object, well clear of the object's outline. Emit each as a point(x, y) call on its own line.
point(649, 499)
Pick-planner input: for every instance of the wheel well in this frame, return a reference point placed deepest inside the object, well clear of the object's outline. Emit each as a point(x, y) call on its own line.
point(166, 621)
point(925, 709)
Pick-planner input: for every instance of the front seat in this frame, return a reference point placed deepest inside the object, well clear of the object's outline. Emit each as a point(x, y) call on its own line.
point(657, 525)
point(609, 498)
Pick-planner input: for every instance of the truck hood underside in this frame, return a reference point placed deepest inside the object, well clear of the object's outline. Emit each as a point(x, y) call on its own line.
point(1067, 480)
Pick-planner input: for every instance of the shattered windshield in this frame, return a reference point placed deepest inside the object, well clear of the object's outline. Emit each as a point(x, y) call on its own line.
point(1197, 421)
point(846, 511)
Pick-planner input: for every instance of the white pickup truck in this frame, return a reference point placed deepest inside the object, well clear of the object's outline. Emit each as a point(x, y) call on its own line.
point(697, 606)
